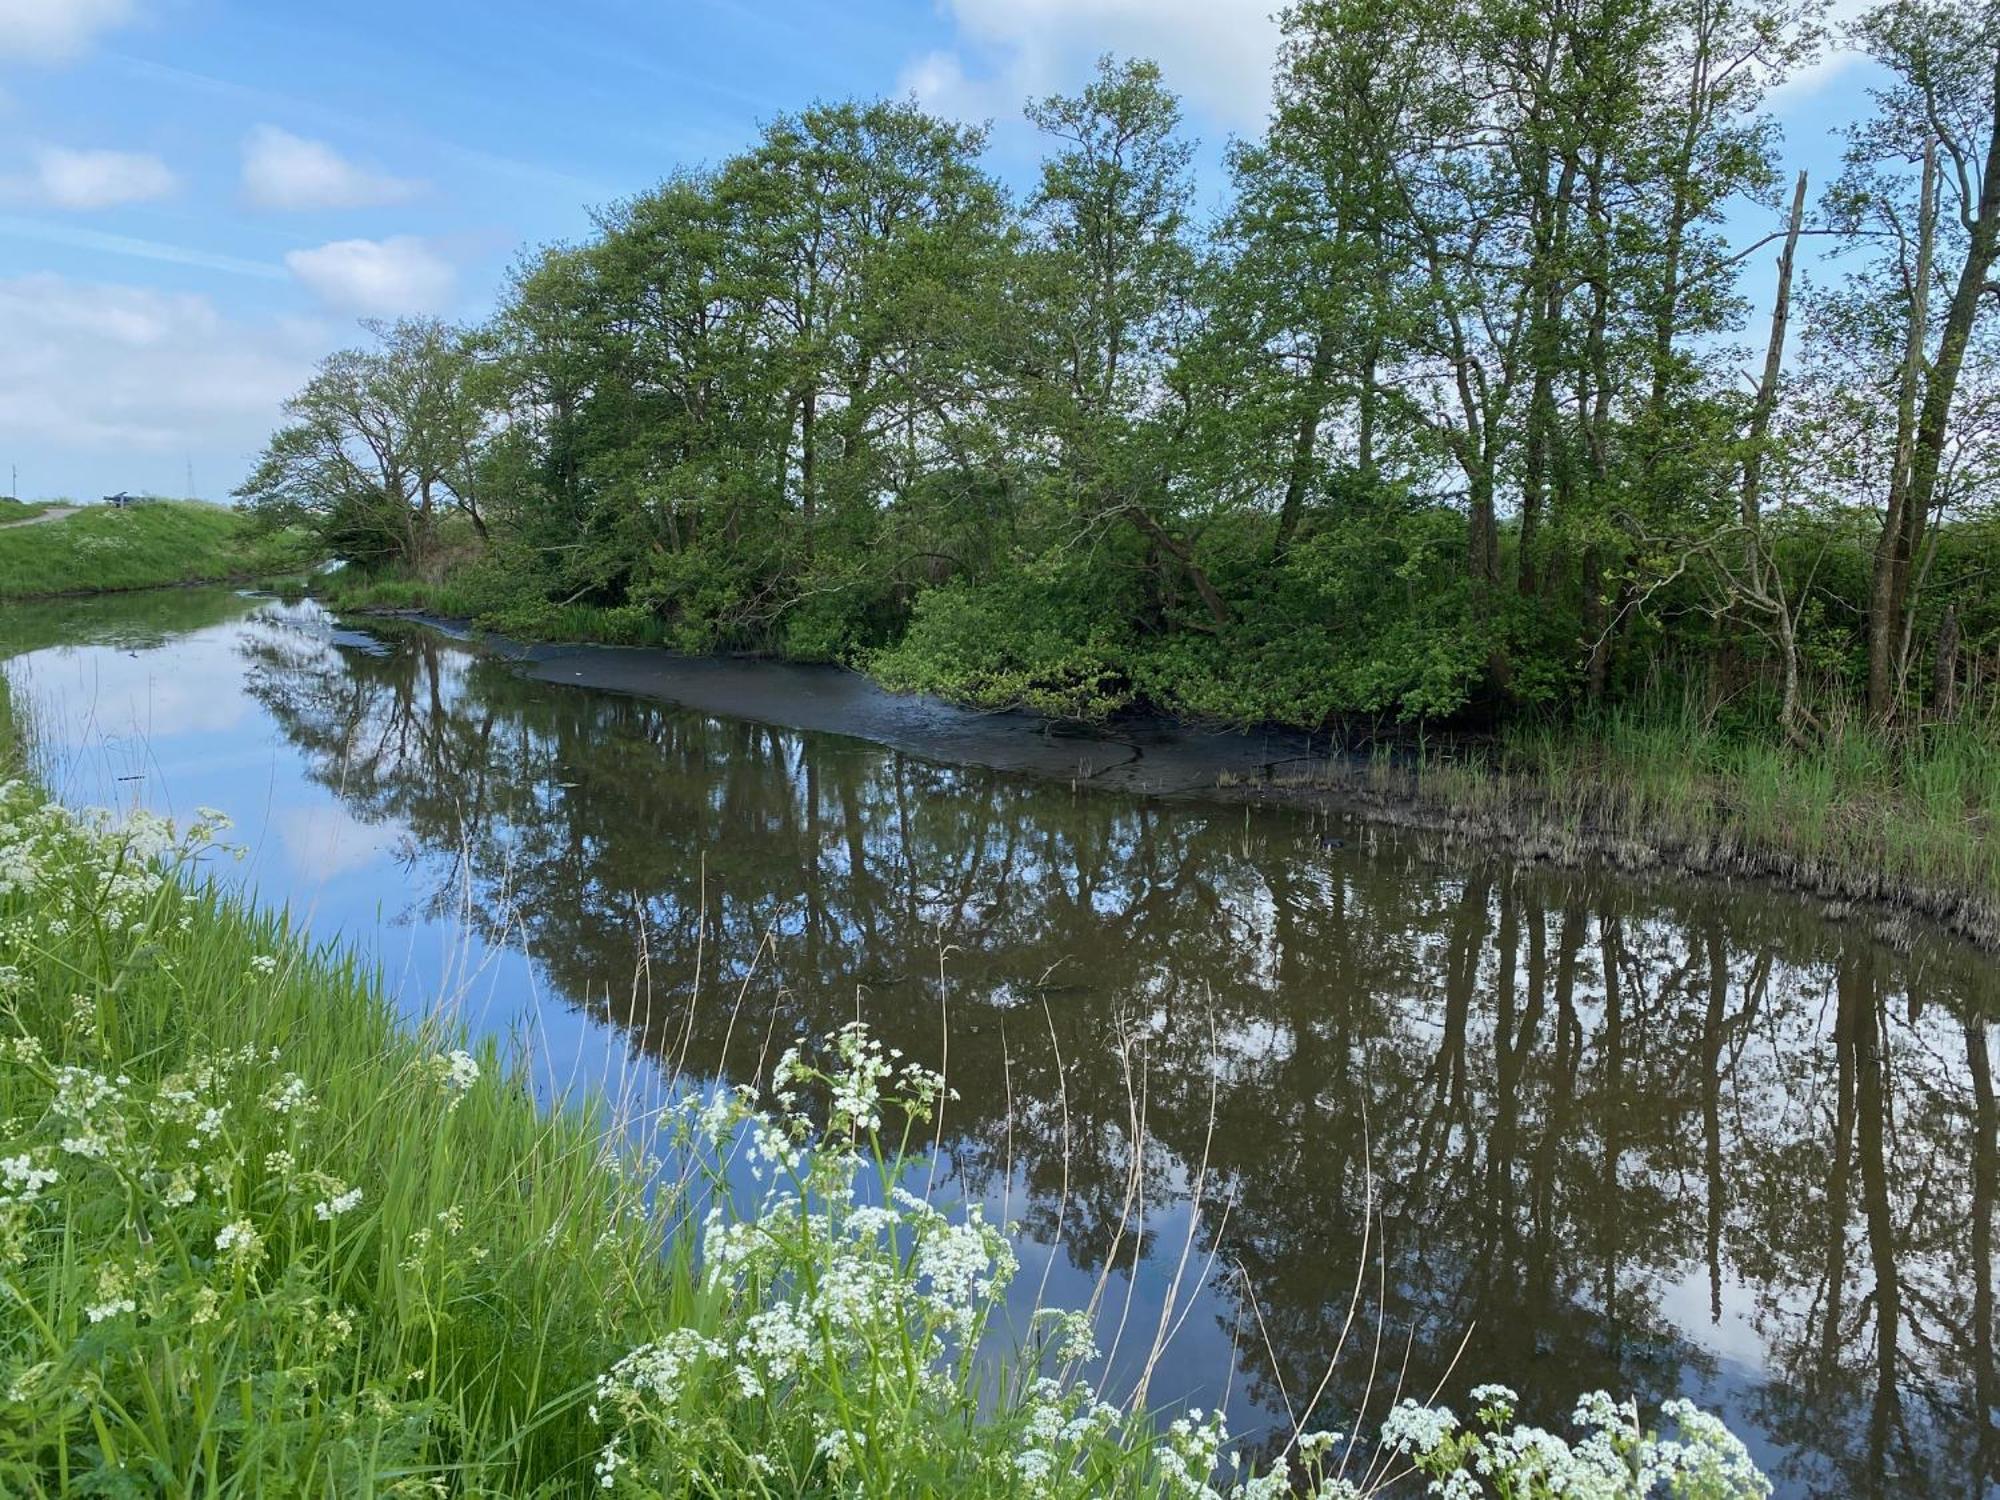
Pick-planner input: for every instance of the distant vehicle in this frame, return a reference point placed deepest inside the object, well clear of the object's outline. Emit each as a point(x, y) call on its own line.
point(122, 499)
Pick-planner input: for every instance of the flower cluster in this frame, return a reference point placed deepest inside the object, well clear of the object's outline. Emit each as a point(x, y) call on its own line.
point(1614, 1457)
point(455, 1072)
point(852, 1312)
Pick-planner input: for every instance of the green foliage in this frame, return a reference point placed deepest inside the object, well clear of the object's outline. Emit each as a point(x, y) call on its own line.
point(382, 445)
point(1041, 640)
point(1440, 419)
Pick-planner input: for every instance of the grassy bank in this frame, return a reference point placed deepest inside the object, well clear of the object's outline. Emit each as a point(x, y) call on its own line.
point(101, 550)
point(257, 1236)
point(1906, 819)
point(12, 510)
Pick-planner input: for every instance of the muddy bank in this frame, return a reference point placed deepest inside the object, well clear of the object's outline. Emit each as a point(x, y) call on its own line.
point(1162, 757)
point(1152, 756)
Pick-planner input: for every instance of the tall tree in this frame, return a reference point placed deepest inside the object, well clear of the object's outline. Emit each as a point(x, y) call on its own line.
point(1940, 109)
point(1109, 285)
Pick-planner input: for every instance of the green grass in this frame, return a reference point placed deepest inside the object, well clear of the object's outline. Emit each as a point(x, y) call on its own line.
point(259, 1239)
point(12, 510)
point(1911, 817)
point(101, 549)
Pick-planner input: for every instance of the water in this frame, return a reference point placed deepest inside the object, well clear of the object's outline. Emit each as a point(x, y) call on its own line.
point(1563, 1130)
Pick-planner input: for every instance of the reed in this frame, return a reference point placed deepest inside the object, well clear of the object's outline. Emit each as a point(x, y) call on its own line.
point(1905, 817)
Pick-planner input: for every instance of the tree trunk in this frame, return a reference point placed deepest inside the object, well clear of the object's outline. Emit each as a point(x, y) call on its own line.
point(1933, 425)
point(1760, 573)
point(1173, 546)
point(1364, 416)
point(1303, 443)
point(1884, 605)
point(1944, 671)
point(1483, 539)
point(1766, 403)
point(808, 461)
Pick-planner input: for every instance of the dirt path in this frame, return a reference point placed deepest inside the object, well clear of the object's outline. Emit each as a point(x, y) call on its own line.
point(53, 513)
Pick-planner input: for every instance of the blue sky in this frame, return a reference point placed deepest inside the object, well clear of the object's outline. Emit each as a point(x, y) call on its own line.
point(199, 198)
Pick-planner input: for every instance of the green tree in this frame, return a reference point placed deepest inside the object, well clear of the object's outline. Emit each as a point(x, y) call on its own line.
point(381, 443)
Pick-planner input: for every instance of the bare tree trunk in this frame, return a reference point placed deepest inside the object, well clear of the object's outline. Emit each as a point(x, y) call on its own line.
point(1762, 572)
point(1766, 403)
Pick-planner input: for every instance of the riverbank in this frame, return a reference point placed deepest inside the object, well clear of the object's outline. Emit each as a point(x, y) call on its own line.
point(1903, 826)
point(265, 1237)
point(104, 549)
point(1902, 830)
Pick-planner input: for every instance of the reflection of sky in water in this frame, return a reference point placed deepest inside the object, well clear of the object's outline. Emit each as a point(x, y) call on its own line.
point(1285, 986)
point(173, 728)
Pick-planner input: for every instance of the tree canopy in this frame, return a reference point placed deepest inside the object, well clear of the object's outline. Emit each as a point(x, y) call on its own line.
point(1450, 408)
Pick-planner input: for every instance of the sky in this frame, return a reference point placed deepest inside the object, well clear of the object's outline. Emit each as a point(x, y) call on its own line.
point(201, 198)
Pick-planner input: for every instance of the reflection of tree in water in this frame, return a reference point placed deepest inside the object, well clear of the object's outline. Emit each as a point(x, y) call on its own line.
point(1590, 1116)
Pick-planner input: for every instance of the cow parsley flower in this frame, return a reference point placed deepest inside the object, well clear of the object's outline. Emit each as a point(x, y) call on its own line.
point(25, 1180)
point(338, 1204)
point(239, 1240)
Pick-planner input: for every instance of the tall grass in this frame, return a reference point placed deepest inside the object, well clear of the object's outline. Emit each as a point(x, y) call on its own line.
point(101, 549)
point(1910, 816)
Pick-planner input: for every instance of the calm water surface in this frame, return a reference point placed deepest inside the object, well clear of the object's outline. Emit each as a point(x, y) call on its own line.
point(1570, 1130)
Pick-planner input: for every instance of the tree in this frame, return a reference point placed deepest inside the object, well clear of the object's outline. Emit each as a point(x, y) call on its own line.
point(380, 444)
point(1109, 296)
point(1941, 112)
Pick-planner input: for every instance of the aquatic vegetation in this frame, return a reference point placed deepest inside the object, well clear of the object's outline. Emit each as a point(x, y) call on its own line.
point(254, 1234)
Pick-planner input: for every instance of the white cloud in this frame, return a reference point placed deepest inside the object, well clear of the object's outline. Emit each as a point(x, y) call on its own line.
point(385, 278)
point(1840, 55)
point(1216, 53)
point(282, 170)
point(89, 367)
point(99, 179)
point(49, 31)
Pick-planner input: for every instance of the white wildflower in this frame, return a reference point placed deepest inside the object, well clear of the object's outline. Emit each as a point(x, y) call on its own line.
point(239, 1240)
point(338, 1204)
point(25, 1180)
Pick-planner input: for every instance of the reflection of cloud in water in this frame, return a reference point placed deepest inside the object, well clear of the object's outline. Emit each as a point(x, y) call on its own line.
point(85, 697)
point(321, 843)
